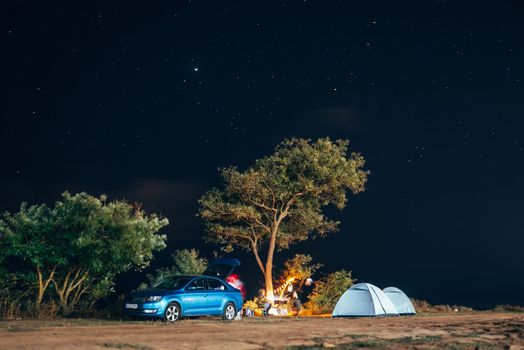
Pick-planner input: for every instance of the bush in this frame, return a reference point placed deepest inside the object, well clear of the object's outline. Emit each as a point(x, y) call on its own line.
point(508, 308)
point(9, 310)
point(422, 306)
point(328, 290)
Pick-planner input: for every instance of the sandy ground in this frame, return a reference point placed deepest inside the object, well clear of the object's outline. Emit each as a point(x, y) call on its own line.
point(475, 331)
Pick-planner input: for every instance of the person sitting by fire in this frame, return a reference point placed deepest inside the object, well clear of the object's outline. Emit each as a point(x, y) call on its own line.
point(264, 303)
point(297, 296)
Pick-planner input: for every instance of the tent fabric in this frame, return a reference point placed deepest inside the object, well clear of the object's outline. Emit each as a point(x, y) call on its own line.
point(400, 300)
point(364, 299)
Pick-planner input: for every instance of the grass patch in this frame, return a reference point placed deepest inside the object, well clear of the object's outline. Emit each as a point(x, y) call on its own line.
point(357, 336)
point(432, 337)
point(476, 345)
point(319, 347)
point(126, 346)
point(423, 342)
point(425, 339)
point(16, 329)
point(466, 335)
point(368, 344)
point(406, 342)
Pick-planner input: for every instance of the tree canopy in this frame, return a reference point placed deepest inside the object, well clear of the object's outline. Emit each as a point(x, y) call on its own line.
point(279, 200)
point(78, 246)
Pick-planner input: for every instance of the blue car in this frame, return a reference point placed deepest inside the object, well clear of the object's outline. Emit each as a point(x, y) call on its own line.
point(183, 296)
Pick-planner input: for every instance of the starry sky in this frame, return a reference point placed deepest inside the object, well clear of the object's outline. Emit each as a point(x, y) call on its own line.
point(145, 100)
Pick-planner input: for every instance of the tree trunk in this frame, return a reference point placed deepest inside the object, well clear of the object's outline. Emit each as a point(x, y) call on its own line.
point(71, 290)
point(269, 262)
point(269, 281)
point(257, 257)
point(41, 290)
point(42, 285)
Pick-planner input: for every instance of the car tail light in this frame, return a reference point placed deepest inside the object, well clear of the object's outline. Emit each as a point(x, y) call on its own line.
point(235, 281)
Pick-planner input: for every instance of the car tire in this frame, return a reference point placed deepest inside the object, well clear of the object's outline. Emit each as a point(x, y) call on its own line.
point(229, 312)
point(172, 313)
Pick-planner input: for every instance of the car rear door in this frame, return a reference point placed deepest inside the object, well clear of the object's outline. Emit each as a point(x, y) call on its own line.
point(215, 296)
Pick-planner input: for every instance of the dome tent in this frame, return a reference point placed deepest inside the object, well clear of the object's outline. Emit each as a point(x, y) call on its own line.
point(400, 300)
point(364, 299)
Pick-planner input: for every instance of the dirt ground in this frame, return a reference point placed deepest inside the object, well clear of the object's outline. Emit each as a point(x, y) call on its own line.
point(474, 331)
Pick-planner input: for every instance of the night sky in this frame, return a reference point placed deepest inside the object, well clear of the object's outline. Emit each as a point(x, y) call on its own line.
point(146, 100)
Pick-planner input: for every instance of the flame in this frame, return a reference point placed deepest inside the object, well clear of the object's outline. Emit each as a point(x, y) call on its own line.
point(283, 287)
point(271, 297)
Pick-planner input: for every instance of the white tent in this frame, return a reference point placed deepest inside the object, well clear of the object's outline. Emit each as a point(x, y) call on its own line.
point(400, 300)
point(364, 299)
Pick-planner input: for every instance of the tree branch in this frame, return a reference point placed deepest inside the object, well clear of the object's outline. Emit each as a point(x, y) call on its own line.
point(271, 191)
point(284, 213)
point(260, 205)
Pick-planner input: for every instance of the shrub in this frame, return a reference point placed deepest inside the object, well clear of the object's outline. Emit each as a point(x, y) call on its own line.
point(422, 306)
point(508, 308)
point(328, 290)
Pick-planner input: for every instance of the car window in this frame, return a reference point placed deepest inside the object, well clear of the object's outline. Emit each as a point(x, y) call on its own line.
point(172, 283)
point(180, 282)
point(213, 284)
point(198, 284)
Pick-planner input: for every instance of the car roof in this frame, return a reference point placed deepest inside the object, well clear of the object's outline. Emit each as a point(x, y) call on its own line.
point(195, 276)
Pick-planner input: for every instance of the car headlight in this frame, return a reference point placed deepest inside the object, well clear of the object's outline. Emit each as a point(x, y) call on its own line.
point(154, 298)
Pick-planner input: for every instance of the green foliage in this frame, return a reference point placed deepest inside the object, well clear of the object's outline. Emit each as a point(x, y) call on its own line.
point(77, 247)
point(301, 176)
point(327, 291)
point(423, 306)
point(508, 308)
point(278, 201)
point(185, 262)
point(188, 262)
point(27, 238)
point(300, 267)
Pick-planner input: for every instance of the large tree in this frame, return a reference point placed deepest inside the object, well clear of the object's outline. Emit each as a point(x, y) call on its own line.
point(279, 200)
point(26, 251)
point(78, 246)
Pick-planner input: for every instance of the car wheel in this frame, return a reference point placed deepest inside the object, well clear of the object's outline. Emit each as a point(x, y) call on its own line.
point(172, 313)
point(229, 312)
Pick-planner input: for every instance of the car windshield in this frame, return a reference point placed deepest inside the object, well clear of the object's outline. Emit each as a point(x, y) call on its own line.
point(172, 283)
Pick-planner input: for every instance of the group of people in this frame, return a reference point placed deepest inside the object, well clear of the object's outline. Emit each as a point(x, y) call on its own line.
point(294, 297)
